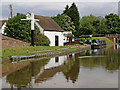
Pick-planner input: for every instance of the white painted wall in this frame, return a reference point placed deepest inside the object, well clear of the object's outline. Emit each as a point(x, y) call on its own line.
point(65, 38)
point(40, 28)
point(3, 28)
point(114, 40)
point(52, 63)
point(51, 35)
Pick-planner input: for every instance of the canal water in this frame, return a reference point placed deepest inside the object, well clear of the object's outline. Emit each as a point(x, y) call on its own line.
point(88, 69)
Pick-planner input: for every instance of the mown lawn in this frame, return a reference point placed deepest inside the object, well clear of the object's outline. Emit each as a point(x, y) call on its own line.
point(103, 38)
point(29, 50)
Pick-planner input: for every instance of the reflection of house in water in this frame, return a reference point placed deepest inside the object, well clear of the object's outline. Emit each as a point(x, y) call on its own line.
point(50, 69)
point(114, 47)
point(47, 74)
point(43, 70)
point(55, 62)
point(70, 68)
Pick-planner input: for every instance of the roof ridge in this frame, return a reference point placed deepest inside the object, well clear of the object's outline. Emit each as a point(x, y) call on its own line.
point(43, 16)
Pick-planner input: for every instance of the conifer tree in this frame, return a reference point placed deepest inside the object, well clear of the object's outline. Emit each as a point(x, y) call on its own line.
point(73, 13)
point(64, 22)
point(66, 9)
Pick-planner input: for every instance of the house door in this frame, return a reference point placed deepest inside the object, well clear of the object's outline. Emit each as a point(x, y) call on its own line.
point(56, 41)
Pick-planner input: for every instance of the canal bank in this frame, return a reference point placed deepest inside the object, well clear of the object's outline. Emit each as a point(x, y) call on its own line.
point(88, 69)
point(46, 55)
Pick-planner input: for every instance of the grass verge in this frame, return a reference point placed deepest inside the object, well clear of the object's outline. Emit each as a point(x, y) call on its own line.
point(29, 50)
point(103, 38)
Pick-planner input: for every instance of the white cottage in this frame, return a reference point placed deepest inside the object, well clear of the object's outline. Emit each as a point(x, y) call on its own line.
point(51, 29)
point(48, 27)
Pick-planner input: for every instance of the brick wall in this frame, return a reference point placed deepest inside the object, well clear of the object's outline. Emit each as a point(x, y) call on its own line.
point(8, 42)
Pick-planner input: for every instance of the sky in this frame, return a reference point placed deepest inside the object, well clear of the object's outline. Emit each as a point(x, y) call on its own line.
point(53, 7)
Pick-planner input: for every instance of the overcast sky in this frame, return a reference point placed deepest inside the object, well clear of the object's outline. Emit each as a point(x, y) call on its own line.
point(52, 8)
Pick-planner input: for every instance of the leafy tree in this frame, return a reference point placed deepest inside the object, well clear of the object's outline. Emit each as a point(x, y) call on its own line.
point(70, 36)
point(86, 29)
point(73, 13)
point(113, 23)
point(102, 26)
point(18, 29)
point(65, 22)
point(92, 25)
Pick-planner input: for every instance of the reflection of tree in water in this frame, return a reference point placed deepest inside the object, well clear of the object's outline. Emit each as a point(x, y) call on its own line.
point(110, 61)
point(37, 65)
point(22, 78)
point(71, 69)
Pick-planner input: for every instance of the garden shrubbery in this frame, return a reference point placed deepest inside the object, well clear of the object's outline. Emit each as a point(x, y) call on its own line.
point(41, 40)
point(83, 40)
point(21, 30)
point(88, 41)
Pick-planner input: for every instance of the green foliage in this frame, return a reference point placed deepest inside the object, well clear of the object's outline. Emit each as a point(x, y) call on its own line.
point(41, 40)
point(103, 38)
point(99, 25)
point(88, 41)
point(73, 13)
point(88, 38)
point(88, 24)
point(70, 35)
point(86, 29)
point(65, 22)
point(69, 19)
point(83, 40)
point(18, 29)
point(92, 25)
point(113, 23)
point(66, 9)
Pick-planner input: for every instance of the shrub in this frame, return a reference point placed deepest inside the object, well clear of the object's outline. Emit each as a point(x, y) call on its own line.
point(70, 35)
point(41, 40)
point(88, 41)
point(20, 29)
point(83, 40)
